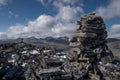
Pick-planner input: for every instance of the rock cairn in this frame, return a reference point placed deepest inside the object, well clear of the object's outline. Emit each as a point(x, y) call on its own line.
point(88, 50)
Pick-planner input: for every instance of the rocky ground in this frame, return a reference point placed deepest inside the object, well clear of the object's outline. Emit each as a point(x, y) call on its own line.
point(24, 61)
point(21, 61)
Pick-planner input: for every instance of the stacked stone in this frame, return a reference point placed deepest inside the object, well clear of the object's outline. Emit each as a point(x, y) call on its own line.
point(88, 47)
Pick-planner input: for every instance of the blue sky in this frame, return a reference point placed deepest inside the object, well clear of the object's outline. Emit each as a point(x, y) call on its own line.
point(42, 18)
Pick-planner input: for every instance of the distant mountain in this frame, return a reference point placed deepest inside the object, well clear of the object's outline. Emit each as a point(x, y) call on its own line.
point(2, 41)
point(60, 43)
point(112, 40)
point(31, 40)
point(18, 40)
point(60, 40)
point(49, 40)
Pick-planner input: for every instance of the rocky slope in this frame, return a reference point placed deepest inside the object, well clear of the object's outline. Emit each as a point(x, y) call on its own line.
point(114, 45)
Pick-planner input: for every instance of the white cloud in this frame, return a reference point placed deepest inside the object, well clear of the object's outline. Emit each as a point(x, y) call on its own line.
point(43, 26)
point(16, 29)
point(115, 28)
point(3, 2)
point(114, 31)
point(61, 29)
point(110, 11)
point(3, 35)
point(61, 24)
point(12, 14)
point(39, 26)
point(41, 1)
point(45, 2)
point(63, 2)
point(68, 13)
